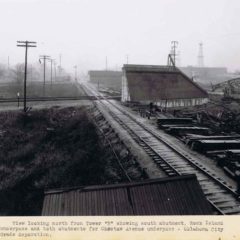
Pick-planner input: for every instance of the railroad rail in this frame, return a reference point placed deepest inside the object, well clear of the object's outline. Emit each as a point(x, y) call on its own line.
point(172, 160)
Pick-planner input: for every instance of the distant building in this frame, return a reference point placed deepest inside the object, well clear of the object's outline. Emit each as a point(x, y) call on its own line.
point(165, 196)
point(106, 79)
point(206, 75)
point(165, 86)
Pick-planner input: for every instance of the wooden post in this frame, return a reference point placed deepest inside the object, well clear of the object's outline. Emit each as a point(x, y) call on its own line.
point(25, 44)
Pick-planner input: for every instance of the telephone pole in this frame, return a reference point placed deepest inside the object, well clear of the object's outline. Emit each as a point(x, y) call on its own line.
point(44, 58)
point(25, 44)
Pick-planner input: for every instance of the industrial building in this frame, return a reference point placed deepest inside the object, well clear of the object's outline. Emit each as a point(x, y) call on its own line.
point(165, 86)
point(106, 79)
point(206, 75)
point(180, 195)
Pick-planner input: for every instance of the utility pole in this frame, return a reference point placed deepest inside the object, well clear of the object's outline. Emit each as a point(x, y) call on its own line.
point(174, 47)
point(25, 44)
point(44, 57)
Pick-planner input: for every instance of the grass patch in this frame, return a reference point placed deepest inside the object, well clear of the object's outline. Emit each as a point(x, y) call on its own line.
point(49, 148)
point(35, 89)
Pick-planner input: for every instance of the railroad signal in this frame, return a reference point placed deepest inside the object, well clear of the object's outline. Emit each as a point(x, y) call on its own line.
point(25, 44)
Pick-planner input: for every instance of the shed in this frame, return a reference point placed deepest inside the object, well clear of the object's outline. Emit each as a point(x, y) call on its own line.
point(180, 195)
point(166, 86)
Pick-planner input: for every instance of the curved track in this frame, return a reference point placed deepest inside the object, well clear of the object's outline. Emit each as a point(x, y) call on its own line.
point(172, 160)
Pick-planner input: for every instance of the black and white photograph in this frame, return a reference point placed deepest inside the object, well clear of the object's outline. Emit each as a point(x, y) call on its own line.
point(119, 108)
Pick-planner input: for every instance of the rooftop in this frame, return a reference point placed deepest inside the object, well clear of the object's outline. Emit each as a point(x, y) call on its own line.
point(154, 83)
point(166, 196)
point(149, 68)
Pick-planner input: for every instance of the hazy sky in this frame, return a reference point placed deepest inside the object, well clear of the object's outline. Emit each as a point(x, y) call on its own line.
point(84, 32)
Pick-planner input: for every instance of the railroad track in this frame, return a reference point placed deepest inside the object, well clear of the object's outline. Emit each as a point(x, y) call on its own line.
point(128, 178)
point(172, 160)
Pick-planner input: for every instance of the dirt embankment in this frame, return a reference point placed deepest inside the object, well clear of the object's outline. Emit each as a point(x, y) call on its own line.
point(49, 148)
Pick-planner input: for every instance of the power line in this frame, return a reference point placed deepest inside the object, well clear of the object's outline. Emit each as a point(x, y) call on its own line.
point(25, 44)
